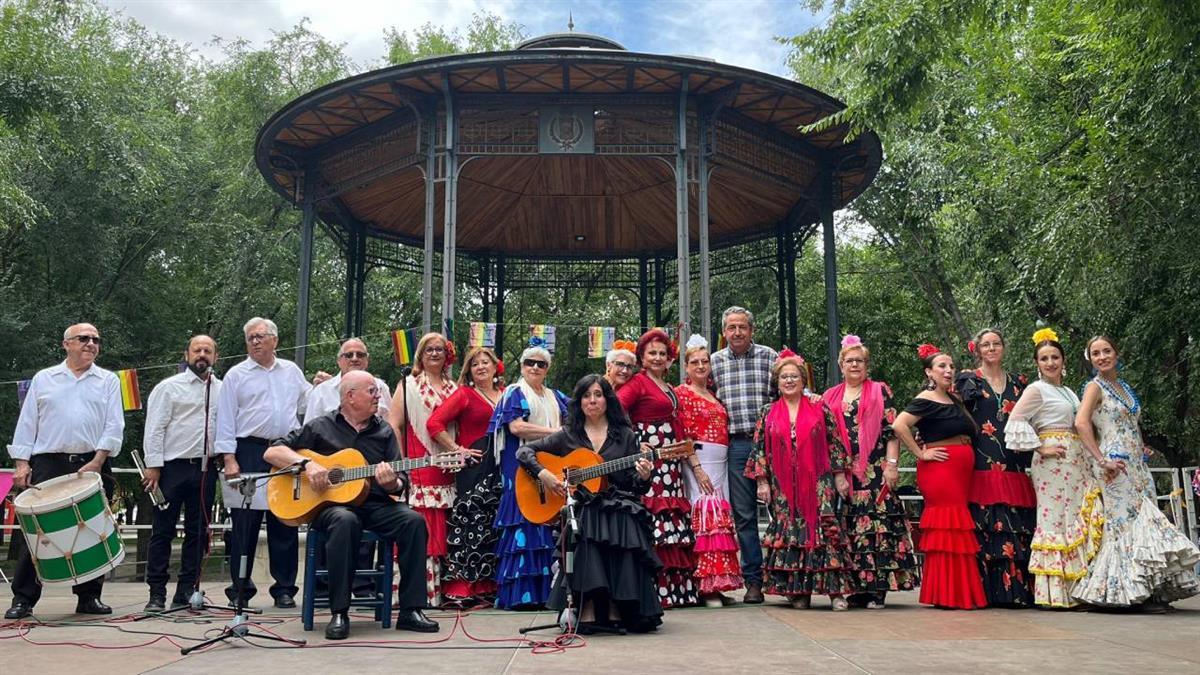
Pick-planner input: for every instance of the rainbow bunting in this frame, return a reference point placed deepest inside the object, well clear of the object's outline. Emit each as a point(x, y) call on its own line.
point(22, 390)
point(482, 334)
point(600, 340)
point(131, 397)
point(404, 343)
point(545, 333)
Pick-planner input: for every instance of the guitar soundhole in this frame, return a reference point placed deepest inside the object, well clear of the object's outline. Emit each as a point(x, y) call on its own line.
point(335, 476)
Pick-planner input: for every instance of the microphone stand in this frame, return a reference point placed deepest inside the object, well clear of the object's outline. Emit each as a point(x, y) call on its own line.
point(239, 625)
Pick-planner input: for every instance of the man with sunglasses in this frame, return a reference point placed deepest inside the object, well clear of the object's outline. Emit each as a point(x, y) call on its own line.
point(72, 421)
point(324, 398)
point(261, 399)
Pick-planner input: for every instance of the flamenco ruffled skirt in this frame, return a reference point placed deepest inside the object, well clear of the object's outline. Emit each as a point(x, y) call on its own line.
point(470, 569)
point(670, 509)
point(792, 569)
point(717, 567)
point(950, 577)
point(1002, 506)
point(881, 545)
point(614, 565)
point(524, 553)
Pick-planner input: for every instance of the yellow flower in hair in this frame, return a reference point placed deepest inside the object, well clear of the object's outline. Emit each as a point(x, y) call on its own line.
point(1043, 335)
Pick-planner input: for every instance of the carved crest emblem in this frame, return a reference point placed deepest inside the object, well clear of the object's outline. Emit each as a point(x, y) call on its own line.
point(566, 130)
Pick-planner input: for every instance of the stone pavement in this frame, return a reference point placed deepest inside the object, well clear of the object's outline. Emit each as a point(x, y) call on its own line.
point(904, 638)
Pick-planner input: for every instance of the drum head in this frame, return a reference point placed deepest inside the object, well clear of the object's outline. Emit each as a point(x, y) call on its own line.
point(57, 492)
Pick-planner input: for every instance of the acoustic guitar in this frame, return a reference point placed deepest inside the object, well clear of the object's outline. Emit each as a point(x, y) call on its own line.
point(579, 467)
point(294, 501)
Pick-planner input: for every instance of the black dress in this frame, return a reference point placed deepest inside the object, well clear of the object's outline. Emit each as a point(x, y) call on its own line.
point(1002, 499)
point(614, 562)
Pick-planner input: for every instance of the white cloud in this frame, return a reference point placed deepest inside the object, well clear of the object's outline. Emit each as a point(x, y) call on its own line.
point(737, 32)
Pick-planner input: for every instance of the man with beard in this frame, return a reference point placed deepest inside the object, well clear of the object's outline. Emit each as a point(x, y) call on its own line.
point(72, 421)
point(180, 417)
point(261, 399)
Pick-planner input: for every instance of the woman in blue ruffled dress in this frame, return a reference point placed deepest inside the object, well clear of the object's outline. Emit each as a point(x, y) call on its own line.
point(529, 410)
point(1144, 560)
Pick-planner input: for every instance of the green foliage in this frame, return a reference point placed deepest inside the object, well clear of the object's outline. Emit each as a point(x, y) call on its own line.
point(486, 33)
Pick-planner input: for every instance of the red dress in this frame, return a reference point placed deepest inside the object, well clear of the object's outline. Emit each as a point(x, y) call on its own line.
point(950, 577)
point(652, 411)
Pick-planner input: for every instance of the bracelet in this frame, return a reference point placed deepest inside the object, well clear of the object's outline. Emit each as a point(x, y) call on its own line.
point(892, 461)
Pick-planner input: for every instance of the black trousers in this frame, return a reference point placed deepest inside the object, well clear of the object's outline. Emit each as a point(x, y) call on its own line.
point(283, 542)
point(188, 489)
point(393, 522)
point(26, 587)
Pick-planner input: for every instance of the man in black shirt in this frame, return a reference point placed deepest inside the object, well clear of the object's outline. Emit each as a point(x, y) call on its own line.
point(354, 425)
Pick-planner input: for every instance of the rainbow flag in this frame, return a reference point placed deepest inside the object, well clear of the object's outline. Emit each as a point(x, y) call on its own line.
point(482, 334)
point(600, 340)
point(22, 390)
point(545, 332)
point(131, 396)
point(404, 344)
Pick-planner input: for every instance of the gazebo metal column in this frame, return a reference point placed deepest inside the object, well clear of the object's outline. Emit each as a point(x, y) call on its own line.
point(702, 176)
point(832, 372)
point(682, 248)
point(429, 138)
point(501, 263)
point(306, 258)
point(449, 170)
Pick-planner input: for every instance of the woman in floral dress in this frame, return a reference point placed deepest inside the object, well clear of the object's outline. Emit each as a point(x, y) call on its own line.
point(652, 407)
point(1002, 499)
point(1069, 512)
point(1144, 560)
point(432, 491)
point(801, 465)
point(875, 521)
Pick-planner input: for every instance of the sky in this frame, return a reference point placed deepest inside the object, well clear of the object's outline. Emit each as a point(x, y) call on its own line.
point(735, 32)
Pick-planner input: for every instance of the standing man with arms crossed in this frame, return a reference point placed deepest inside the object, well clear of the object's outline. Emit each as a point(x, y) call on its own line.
point(72, 422)
point(180, 428)
point(324, 398)
point(260, 400)
point(742, 371)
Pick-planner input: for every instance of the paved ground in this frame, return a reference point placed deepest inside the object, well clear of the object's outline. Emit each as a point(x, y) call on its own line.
point(765, 639)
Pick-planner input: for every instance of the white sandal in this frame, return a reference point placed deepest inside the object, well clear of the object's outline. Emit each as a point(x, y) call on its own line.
point(839, 604)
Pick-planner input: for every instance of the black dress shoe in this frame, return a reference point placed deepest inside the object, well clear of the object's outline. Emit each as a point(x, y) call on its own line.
point(157, 603)
point(414, 620)
point(285, 601)
point(754, 594)
point(339, 627)
point(19, 610)
point(92, 606)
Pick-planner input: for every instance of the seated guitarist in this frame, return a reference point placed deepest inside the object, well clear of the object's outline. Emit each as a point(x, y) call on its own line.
point(615, 567)
point(355, 425)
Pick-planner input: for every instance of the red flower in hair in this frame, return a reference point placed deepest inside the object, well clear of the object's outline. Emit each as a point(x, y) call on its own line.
point(926, 350)
point(500, 367)
point(787, 353)
point(971, 346)
point(451, 355)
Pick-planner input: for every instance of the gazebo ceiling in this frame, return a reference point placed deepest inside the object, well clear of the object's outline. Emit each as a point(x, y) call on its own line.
point(367, 137)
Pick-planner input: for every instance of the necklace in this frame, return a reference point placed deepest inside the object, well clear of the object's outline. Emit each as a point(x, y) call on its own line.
point(1130, 395)
point(1059, 389)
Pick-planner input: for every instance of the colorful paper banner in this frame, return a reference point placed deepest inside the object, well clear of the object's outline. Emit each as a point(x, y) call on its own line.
point(404, 343)
point(131, 396)
point(482, 334)
point(600, 340)
point(545, 333)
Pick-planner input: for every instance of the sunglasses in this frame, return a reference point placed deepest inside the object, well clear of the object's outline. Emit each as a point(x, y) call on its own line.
point(85, 339)
point(353, 355)
point(536, 363)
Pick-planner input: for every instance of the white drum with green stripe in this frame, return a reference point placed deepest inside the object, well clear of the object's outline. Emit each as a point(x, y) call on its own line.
point(71, 533)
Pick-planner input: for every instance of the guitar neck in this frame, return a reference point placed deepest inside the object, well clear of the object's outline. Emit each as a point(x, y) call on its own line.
point(363, 472)
point(577, 476)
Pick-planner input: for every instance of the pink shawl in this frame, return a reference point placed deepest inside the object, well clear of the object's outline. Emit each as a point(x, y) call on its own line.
point(797, 467)
point(870, 416)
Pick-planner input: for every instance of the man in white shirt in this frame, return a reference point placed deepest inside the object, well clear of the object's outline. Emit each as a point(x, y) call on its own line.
point(72, 421)
point(324, 398)
point(261, 399)
point(180, 428)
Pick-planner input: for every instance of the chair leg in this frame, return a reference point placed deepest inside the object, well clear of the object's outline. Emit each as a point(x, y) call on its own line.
point(387, 554)
point(308, 608)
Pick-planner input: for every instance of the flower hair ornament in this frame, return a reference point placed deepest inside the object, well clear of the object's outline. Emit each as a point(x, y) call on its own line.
point(786, 354)
point(927, 350)
point(971, 347)
point(1044, 334)
point(451, 354)
point(851, 340)
point(625, 345)
point(696, 341)
point(499, 367)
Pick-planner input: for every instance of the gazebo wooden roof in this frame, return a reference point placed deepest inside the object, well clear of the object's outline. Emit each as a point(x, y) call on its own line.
point(367, 137)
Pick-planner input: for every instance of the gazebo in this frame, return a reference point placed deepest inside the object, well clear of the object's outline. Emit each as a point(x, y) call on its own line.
point(569, 150)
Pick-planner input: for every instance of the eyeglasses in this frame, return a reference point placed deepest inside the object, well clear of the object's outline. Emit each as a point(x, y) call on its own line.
point(435, 350)
point(622, 366)
point(85, 339)
point(789, 378)
point(536, 363)
point(353, 355)
point(258, 337)
point(698, 362)
point(854, 362)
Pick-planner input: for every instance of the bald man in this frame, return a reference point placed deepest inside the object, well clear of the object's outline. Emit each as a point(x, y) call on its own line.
point(180, 419)
point(72, 421)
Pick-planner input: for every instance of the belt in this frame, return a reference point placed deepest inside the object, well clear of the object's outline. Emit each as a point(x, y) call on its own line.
point(78, 457)
point(748, 435)
point(254, 439)
point(198, 461)
point(953, 440)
